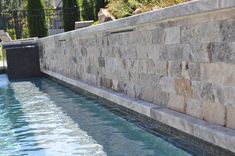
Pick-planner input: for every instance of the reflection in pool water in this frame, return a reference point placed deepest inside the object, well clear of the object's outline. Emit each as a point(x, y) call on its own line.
point(39, 117)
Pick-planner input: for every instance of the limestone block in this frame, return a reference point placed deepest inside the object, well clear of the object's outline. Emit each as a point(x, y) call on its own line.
point(92, 69)
point(91, 79)
point(158, 35)
point(176, 103)
point(191, 70)
point(185, 70)
point(113, 40)
point(121, 86)
point(154, 51)
point(187, 51)
point(219, 73)
point(194, 71)
point(167, 84)
point(183, 87)
point(194, 108)
point(132, 37)
point(227, 30)
point(142, 51)
point(203, 91)
point(156, 67)
point(101, 62)
point(133, 76)
point(230, 118)
point(199, 53)
point(141, 66)
point(124, 39)
point(175, 69)
point(106, 82)
point(161, 68)
point(129, 52)
point(144, 37)
point(109, 51)
point(172, 35)
point(213, 112)
point(131, 90)
point(147, 80)
point(116, 52)
point(201, 32)
point(138, 91)
point(115, 85)
point(172, 53)
point(114, 63)
point(150, 66)
point(147, 94)
point(224, 94)
point(160, 97)
point(221, 52)
point(148, 51)
point(129, 64)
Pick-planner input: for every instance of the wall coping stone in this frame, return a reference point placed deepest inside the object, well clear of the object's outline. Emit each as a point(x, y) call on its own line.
point(181, 10)
point(209, 132)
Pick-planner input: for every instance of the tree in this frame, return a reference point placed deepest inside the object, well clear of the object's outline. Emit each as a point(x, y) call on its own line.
point(87, 9)
point(71, 14)
point(12, 17)
point(36, 19)
point(90, 8)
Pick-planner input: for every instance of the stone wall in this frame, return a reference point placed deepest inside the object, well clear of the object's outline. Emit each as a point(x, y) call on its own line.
point(181, 57)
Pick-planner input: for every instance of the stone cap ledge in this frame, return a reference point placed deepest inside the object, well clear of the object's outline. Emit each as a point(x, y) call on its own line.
point(185, 9)
point(212, 133)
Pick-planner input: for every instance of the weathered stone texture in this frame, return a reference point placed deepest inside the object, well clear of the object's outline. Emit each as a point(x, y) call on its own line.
point(230, 118)
point(176, 103)
point(183, 87)
point(186, 64)
point(172, 35)
point(214, 112)
point(218, 73)
point(194, 108)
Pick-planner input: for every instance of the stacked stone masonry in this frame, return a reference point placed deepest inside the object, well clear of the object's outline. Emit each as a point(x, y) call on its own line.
point(186, 63)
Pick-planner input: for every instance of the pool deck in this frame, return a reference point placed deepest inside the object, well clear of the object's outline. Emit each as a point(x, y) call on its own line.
point(208, 132)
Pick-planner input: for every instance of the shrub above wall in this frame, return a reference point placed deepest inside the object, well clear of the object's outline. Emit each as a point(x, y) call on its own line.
point(71, 14)
point(36, 19)
point(124, 8)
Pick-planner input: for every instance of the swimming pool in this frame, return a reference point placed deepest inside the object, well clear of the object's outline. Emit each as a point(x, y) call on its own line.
point(40, 117)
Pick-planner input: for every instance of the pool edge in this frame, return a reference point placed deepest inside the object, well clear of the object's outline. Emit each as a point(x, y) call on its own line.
point(212, 133)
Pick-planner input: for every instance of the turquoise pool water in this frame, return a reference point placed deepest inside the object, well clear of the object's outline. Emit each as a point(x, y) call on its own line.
point(34, 120)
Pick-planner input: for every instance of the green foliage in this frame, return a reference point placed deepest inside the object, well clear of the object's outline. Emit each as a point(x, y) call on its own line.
point(12, 33)
point(0, 53)
point(36, 19)
point(120, 8)
point(87, 9)
point(123, 8)
point(25, 32)
point(96, 22)
point(71, 14)
point(90, 8)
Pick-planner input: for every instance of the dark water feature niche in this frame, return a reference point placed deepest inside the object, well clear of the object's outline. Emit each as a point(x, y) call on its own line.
point(22, 60)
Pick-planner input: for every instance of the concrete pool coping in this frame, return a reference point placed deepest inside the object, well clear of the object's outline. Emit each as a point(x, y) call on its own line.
point(212, 133)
